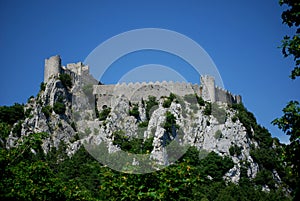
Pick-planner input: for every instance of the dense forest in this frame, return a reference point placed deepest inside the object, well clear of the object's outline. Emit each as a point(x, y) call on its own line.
point(29, 174)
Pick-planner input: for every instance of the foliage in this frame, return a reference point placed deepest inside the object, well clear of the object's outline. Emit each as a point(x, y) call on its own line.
point(135, 112)
point(47, 110)
point(290, 121)
point(266, 158)
point(290, 124)
point(4, 133)
point(216, 166)
point(73, 125)
point(27, 112)
point(132, 145)
point(291, 45)
point(17, 128)
point(265, 177)
point(150, 105)
point(66, 80)
point(200, 100)
point(143, 124)
point(28, 176)
point(246, 118)
point(170, 121)
point(59, 108)
point(42, 86)
point(234, 118)
point(25, 175)
point(11, 114)
point(207, 110)
point(235, 150)
point(104, 113)
point(168, 101)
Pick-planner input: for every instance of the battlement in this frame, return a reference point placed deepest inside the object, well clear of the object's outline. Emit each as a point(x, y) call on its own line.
point(137, 91)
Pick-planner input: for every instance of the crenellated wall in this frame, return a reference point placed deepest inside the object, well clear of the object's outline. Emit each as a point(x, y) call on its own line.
point(134, 92)
point(137, 91)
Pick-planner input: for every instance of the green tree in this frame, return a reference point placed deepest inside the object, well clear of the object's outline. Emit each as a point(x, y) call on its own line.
point(290, 121)
point(59, 108)
point(12, 114)
point(66, 80)
point(150, 105)
point(291, 44)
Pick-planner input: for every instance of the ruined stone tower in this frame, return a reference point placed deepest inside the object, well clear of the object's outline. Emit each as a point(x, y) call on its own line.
point(208, 88)
point(52, 67)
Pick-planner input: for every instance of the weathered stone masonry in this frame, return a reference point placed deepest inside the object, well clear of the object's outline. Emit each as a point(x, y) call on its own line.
point(137, 91)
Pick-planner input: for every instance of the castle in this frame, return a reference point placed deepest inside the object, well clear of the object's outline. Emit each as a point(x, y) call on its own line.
point(137, 91)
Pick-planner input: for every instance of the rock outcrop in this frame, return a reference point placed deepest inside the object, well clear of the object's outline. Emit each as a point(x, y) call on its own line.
point(78, 122)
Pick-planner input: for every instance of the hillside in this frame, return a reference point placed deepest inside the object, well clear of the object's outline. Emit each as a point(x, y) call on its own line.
point(170, 147)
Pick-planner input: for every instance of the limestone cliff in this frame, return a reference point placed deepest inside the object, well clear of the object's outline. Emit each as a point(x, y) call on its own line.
point(70, 115)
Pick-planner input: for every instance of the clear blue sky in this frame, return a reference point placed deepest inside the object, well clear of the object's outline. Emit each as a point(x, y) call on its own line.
point(240, 36)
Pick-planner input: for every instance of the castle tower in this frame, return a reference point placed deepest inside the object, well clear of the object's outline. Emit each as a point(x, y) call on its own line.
point(52, 67)
point(208, 88)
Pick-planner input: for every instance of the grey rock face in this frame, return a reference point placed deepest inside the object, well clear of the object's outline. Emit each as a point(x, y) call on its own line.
point(78, 124)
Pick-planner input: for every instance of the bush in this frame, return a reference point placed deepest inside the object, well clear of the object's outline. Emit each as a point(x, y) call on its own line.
point(11, 114)
point(207, 109)
point(135, 112)
point(170, 127)
point(143, 124)
point(167, 103)
point(246, 118)
point(265, 177)
point(73, 125)
point(104, 114)
point(59, 108)
point(27, 112)
point(234, 119)
point(66, 80)
point(42, 86)
point(235, 150)
point(47, 110)
point(4, 132)
point(200, 101)
point(266, 158)
point(216, 166)
point(132, 145)
point(150, 103)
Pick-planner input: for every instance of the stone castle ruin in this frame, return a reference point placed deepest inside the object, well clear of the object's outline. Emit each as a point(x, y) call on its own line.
point(137, 91)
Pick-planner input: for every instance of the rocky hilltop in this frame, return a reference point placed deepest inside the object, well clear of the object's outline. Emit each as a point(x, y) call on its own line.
point(69, 108)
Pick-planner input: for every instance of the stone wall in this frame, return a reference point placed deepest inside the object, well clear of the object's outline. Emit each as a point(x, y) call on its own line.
point(134, 92)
